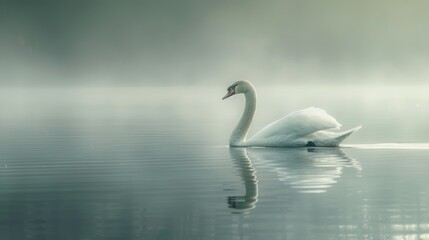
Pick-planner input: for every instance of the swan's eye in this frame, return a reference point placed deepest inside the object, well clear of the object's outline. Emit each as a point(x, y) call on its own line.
point(232, 87)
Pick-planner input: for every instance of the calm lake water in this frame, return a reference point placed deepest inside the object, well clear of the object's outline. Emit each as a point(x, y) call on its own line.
point(152, 163)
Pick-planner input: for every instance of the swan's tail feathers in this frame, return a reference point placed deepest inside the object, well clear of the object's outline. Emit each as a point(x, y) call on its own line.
point(343, 135)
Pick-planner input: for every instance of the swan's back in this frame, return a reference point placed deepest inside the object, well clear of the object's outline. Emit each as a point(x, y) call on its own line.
point(307, 127)
point(295, 126)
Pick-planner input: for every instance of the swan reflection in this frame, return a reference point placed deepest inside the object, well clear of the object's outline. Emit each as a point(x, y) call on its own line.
point(248, 201)
point(309, 170)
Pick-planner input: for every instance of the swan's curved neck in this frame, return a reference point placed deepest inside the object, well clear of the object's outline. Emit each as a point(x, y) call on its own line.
point(238, 136)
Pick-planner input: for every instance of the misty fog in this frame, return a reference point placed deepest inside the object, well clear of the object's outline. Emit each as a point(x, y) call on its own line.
point(139, 43)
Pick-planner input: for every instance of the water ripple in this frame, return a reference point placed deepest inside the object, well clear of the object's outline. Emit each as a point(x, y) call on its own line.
point(411, 146)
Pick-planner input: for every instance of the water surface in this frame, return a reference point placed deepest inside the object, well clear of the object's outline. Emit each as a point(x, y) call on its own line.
point(152, 163)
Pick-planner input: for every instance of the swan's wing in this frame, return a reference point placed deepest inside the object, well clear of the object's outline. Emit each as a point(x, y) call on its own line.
point(300, 123)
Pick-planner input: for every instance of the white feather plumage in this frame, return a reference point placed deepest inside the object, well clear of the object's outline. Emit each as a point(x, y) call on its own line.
point(308, 127)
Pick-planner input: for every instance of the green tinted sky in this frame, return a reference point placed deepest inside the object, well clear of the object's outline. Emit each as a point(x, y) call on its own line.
point(187, 42)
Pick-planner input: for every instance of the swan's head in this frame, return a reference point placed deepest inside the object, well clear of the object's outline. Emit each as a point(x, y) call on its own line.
point(239, 87)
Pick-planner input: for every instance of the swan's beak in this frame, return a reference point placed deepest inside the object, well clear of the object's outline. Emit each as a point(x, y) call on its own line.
point(229, 94)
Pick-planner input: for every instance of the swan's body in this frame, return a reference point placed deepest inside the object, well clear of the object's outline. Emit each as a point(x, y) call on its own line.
point(308, 127)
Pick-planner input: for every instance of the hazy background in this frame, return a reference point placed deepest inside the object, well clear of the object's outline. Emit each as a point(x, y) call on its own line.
point(140, 43)
point(112, 124)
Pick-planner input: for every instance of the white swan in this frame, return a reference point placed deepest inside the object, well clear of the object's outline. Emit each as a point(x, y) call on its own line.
point(306, 127)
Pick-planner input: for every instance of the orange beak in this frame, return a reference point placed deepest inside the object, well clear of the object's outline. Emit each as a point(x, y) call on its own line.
point(229, 94)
